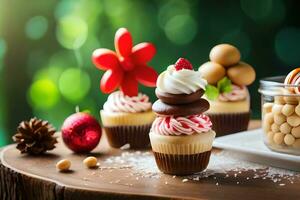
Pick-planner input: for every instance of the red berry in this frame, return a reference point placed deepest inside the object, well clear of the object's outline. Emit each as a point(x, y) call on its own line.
point(183, 64)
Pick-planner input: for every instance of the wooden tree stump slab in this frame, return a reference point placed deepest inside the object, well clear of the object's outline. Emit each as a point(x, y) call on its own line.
point(35, 178)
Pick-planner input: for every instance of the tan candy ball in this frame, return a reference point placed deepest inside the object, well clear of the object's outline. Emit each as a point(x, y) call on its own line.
point(225, 54)
point(275, 128)
point(279, 119)
point(297, 110)
point(270, 136)
point(278, 138)
point(289, 139)
point(241, 74)
point(63, 165)
point(289, 99)
point(266, 126)
point(296, 132)
point(293, 120)
point(267, 107)
point(285, 128)
point(297, 144)
point(288, 109)
point(279, 100)
point(277, 108)
point(90, 162)
point(269, 118)
point(212, 72)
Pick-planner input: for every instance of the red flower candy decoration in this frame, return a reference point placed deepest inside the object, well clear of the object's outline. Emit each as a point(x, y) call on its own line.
point(127, 66)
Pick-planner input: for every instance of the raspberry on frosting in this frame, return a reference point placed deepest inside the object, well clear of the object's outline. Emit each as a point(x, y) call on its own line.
point(183, 64)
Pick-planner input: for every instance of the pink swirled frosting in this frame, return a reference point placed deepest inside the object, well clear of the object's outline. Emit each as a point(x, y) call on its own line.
point(118, 102)
point(170, 125)
point(237, 93)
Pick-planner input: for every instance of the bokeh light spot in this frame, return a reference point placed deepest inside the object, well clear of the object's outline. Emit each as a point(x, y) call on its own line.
point(257, 9)
point(43, 94)
point(2, 52)
point(287, 43)
point(171, 9)
point(74, 84)
point(72, 32)
point(36, 27)
point(181, 29)
point(239, 39)
point(53, 73)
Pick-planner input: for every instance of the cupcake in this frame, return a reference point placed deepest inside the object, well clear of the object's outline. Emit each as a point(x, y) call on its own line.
point(227, 91)
point(127, 119)
point(126, 115)
point(181, 135)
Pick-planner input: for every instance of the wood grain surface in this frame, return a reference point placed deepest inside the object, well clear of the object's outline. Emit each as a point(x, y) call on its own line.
point(28, 177)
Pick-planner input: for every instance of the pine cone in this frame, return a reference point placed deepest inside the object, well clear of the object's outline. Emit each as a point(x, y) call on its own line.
point(35, 136)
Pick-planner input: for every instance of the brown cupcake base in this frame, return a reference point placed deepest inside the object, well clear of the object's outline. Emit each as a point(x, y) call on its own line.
point(136, 136)
point(182, 164)
point(227, 123)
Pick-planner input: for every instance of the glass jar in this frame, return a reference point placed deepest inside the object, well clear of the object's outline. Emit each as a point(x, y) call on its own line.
point(280, 115)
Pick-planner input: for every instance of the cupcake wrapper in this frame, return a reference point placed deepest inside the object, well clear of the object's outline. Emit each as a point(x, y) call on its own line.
point(136, 136)
point(225, 124)
point(182, 164)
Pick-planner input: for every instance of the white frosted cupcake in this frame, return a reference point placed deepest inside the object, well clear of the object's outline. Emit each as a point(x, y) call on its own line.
point(127, 120)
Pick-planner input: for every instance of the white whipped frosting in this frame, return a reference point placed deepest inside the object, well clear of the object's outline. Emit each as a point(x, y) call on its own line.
point(118, 102)
point(184, 81)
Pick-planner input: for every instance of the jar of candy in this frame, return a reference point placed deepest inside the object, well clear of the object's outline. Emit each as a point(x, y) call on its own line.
point(280, 97)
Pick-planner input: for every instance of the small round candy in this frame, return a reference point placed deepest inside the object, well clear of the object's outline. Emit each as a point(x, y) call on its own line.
point(267, 107)
point(297, 110)
point(270, 136)
point(269, 118)
point(63, 165)
point(289, 139)
point(288, 109)
point(90, 162)
point(279, 100)
point(285, 128)
point(212, 72)
point(225, 54)
point(278, 138)
point(293, 120)
point(241, 74)
point(266, 126)
point(275, 128)
point(297, 144)
point(279, 119)
point(290, 99)
point(277, 108)
point(296, 132)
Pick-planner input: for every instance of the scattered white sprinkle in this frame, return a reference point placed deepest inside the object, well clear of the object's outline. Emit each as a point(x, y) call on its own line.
point(185, 180)
point(281, 184)
point(166, 182)
point(237, 183)
point(125, 147)
point(217, 184)
point(143, 166)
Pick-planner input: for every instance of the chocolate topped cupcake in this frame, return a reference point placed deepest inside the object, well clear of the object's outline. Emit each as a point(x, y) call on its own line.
point(181, 135)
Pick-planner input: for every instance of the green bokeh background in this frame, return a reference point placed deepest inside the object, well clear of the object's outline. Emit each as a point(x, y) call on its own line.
point(45, 46)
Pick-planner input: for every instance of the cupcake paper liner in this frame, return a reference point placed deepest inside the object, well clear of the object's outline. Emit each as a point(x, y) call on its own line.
point(228, 123)
point(182, 164)
point(136, 136)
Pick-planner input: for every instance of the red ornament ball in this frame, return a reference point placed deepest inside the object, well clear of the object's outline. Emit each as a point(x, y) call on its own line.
point(81, 132)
